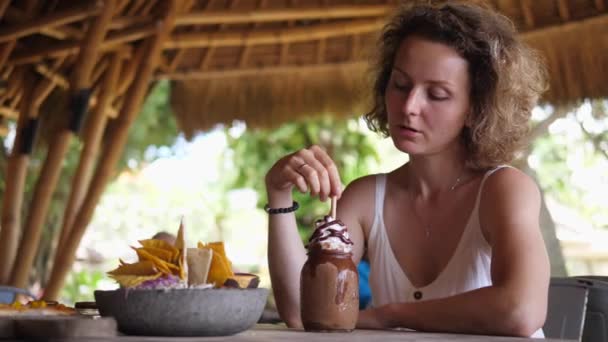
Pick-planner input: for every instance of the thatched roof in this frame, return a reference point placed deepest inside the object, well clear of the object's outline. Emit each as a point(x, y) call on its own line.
point(268, 61)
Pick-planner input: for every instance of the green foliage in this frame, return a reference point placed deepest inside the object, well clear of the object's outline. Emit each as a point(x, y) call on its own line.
point(254, 152)
point(571, 161)
point(80, 286)
point(154, 127)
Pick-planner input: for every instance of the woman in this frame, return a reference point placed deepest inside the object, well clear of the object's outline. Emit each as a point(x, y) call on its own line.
point(453, 235)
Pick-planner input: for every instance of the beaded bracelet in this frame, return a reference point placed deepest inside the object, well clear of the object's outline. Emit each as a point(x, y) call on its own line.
point(273, 211)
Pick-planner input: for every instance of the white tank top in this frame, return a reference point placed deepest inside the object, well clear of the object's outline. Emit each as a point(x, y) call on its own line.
point(467, 270)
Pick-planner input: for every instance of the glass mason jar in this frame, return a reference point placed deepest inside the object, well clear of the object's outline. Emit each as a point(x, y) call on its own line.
point(329, 291)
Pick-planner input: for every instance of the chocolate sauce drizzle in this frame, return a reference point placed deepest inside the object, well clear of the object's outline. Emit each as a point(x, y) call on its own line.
point(317, 234)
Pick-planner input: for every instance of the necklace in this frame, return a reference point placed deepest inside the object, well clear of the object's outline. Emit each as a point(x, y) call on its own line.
point(427, 227)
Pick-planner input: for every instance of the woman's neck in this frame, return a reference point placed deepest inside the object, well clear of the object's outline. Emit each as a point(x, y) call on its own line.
point(429, 176)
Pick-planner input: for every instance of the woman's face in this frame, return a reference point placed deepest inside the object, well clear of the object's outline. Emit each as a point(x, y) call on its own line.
point(427, 97)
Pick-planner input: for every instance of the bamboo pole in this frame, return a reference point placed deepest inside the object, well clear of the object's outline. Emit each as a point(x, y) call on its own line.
point(53, 19)
point(128, 74)
point(112, 43)
point(51, 169)
point(13, 195)
point(5, 52)
point(276, 36)
point(270, 70)
point(92, 140)
point(3, 6)
point(118, 138)
point(269, 15)
point(8, 112)
point(52, 75)
point(15, 15)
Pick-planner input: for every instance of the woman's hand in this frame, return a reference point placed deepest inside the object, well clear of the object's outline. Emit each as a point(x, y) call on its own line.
point(310, 170)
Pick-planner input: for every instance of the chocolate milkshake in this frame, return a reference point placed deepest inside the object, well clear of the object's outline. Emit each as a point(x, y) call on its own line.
point(329, 287)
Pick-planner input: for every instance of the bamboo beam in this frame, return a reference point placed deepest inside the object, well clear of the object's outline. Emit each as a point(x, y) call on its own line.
point(51, 169)
point(3, 6)
point(135, 6)
point(539, 33)
point(272, 70)
point(526, 10)
point(130, 35)
point(179, 54)
point(244, 57)
point(49, 20)
point(113, 42)
point(17, 16)
point(5, 52)
point(564, 11)
point(208, 54)
point(52, 75)
point(129, 71)
point(8, 112)
point(118, 138)
point(290, 35)
point(270, 15)
point(92, 141)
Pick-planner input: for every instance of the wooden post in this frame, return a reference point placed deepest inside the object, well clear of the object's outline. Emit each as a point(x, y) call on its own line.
point(49, 175)
point(92, 140)
point(13, 195)
point(11, 219)
point(112, 152)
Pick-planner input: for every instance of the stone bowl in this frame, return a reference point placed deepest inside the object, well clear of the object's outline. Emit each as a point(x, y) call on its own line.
point(183, 312)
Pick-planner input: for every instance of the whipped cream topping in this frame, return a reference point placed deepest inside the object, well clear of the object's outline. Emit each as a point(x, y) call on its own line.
point(331, 234)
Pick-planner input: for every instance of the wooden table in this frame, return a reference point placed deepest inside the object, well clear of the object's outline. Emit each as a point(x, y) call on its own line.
point(270, 332)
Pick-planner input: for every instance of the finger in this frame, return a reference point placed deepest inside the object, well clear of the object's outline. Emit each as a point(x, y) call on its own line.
point(310, 175)
point(303, 163)
point(322, 177)
point(297, 180)
point(332, 171)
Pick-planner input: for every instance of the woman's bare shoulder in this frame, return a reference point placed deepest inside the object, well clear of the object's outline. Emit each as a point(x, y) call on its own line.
point(359, 198)
point(508, 182)
point(362, 185)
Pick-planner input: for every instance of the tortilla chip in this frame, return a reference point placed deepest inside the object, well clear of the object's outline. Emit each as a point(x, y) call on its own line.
point(180, 244)
point(134, 280)
point(155, 243)
point(141, 268)
point(163, 254)
point(162, 265)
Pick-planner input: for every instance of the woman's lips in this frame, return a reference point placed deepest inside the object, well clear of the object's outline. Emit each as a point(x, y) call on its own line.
point(407, 131)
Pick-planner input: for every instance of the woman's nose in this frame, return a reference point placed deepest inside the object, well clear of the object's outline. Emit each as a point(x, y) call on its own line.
point(413, 102)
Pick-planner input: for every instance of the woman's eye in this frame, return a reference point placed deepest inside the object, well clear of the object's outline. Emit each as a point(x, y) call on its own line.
point(400, 85)
point(438, 95)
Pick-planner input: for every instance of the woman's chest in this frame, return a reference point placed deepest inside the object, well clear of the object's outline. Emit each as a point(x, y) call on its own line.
point(424, 240)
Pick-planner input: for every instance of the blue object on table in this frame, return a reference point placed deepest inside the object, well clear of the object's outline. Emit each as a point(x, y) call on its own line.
point(365, 292)
point(8, 293)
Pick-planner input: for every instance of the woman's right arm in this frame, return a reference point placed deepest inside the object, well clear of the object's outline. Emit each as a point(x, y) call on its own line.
point(309, 170)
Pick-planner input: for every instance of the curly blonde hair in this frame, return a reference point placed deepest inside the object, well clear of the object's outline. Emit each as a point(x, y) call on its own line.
point(507, 77)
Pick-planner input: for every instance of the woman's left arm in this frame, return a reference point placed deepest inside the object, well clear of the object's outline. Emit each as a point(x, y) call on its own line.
point(516, 302)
